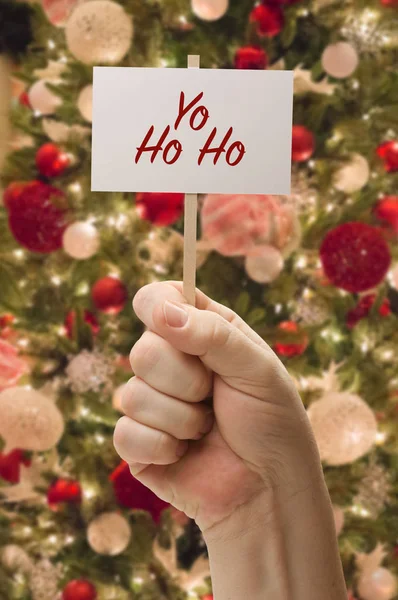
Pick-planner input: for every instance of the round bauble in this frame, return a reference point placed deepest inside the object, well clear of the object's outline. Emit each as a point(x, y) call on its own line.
point(250, 57)
point(379, 584)
point(88, 317)
point(388, 152)
point(98, 32)
point(79, 589)
point(109, 295)
point(64, 491)
point(344, 427)
point(85, 103)
point(296, 347)
point(352, 176)
point(339, 60)
point(61, 132)
point(338, 515)
point(29, 420)
point(109, 534)
point(51, 161)
point(36, 219)
point(15, 559)
point(80, 240)
point(355, 256)
point(159, 208)
point(386, 210)
point(268, 18)
point(209, 10)
point(303, 143)
point(42, 99)
point(264, 264)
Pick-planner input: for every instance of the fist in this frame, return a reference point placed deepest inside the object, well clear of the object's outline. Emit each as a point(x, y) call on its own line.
point(213, 423)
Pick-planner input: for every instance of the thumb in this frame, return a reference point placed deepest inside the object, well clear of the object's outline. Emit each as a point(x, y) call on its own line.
point(221, 346)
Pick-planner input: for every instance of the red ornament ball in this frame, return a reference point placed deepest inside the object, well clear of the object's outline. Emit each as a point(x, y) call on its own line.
point(291, 349)
point(14, 190)
point(6, 322)
point(37, 217)
point(269, 19)
point(387, 211)
point(51, 161)
point(131, 493)
point(303, 143)
point(109, 295)
point(64, 490)
point(24, 99)
point(79, 589)
point(250, 57)
point(10, 465)
point(355, 256)
point(362, 309)
point(390, 3)
point(159, 208)
point(388, 152)
point(88, 317)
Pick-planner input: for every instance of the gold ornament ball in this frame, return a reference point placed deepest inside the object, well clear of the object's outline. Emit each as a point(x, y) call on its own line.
point(344, 427)
point(14, 558)
point(352, 176)
point(85, 103)
point(339, 60)
point(264, 264)
point(379, 584)
point(209, 10)
point(109, 534)
point(80, 240)
point(42, 99)
point(29, 420)
point(99, 31)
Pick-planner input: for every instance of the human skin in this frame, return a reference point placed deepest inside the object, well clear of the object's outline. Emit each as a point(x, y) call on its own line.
point(246, 466)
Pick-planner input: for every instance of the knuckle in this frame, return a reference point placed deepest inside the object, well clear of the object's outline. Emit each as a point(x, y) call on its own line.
point(134, 401)
point(144, 354)
point(220, 332)
point(198, 387)
point(163, 446)
point(120, 434)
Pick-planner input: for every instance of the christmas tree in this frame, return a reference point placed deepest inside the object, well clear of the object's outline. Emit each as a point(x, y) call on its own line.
point(313, 273)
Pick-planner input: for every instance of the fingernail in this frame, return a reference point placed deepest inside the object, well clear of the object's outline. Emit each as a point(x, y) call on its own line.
point(174, 315)
point(182, 448)
point(208, 425)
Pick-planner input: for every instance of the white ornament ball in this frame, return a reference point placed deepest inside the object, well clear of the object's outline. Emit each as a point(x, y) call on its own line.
point(29, 420)
point(99, 31)
point(42, 99)
point(209, 10)
point(80, 240)
point(61, 132)
point(264, 264)
point(352, 176)
point(85, 103)
point(338, 515)
point(14, 558)
point(109, 534)
point(339, 60)
point(379, 584)
point(117, 397)
point(344, 427)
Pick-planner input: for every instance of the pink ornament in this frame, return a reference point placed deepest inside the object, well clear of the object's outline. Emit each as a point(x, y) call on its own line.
point(58, 11)
point(235, 225)
point(11, 367)
point(264, 264)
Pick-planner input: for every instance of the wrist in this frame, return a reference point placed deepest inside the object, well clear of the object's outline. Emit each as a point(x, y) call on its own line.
point(280, 546)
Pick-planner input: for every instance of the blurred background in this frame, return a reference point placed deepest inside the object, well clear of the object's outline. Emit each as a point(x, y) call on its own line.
point(314, 273)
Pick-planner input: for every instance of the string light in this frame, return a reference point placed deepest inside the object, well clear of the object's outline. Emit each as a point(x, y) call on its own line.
point(301, 262)
point(69, 539)
point(61, 330)
point(75, 188)
point(51, 44)
point(278, 308)
point(20, 254)
point(23, 342)
point(37, 113)
point(380, 438)
point(84, 411)
point(164, 62)
point(82, 289)
point(99, 438)
point(53, 539)
point(89, 493)
point(56, 280)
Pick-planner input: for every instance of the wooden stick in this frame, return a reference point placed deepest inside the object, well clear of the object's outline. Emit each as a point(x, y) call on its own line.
point(190, 220)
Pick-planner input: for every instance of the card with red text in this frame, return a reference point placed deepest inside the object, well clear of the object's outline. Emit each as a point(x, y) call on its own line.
point(191, 130)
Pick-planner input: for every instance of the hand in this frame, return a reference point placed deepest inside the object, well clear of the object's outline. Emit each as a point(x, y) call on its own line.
point(211, 465)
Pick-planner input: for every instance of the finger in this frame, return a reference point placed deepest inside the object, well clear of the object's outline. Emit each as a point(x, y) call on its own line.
point(226, 349)
point(150, 407)
point(169, 370)
point(152, 294)
point(138, 443)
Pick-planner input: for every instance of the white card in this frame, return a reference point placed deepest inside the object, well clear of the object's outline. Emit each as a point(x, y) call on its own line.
point(211, 130)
